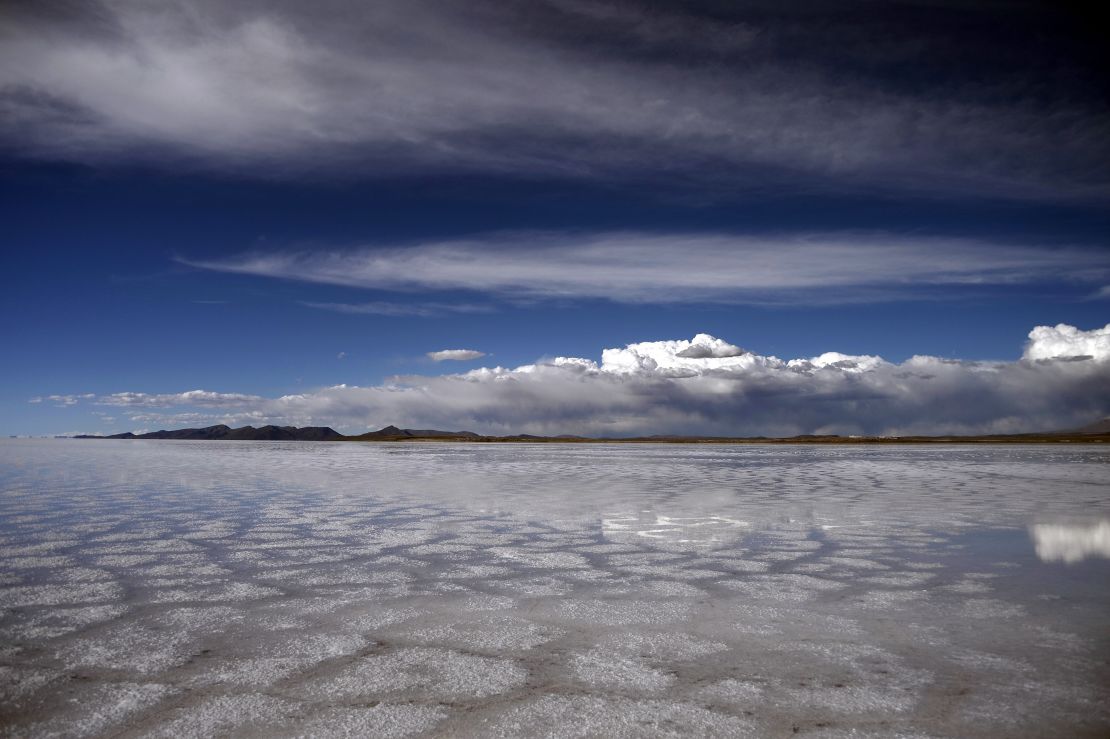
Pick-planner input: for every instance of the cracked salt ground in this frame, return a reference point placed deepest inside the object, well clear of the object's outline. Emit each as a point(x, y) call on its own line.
point(491, 634)
point(416, 674)
point(262, 715)
point(296, 589)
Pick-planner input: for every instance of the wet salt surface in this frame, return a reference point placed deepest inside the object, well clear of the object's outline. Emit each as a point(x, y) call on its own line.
point(296, 589)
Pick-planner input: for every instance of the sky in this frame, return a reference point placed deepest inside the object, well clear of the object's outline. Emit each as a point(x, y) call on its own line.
point(554, 216)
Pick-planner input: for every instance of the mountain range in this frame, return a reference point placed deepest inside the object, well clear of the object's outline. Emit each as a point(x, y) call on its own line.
point(246, 433)
point(1097, 432)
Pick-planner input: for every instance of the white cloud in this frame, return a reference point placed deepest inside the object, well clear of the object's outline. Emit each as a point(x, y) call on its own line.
point(658, 387)
point(62, 401)
point(456, 355)
point(704, 346)
point(1064, 341)
point(189, 419)
point(190, 397)
point(677, 267)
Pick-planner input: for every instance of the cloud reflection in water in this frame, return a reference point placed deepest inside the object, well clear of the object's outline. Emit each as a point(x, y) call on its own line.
point(685, 531)
point(1071, 543)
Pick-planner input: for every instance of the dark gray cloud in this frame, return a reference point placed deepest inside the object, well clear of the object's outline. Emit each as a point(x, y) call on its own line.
point(1003, 99)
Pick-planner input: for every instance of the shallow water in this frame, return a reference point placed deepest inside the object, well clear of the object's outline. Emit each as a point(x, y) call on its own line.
point(327, 589)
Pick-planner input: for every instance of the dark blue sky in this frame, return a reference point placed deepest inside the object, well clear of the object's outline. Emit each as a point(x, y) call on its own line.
point(926, 205)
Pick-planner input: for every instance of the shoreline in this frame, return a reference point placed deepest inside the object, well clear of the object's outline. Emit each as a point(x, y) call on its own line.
point(771, 441)
point(846, 441)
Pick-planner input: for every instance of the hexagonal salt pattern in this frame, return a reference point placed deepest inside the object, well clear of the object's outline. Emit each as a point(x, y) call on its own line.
point(350, 590)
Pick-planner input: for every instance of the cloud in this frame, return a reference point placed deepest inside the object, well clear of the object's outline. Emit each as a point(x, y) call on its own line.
point(384, 308)
point(1103, 293)
point(1064, 341)
point(562, 89)
point(192, 419)
point(704, 346)
point(202, 398)
point(680, 267)
point(62, 401)
point(706, 386)
point(456, 355)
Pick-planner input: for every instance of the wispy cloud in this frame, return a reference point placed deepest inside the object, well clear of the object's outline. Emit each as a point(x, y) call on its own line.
point(1103, 293)
point(559, 88)
point(204, 398)
point(385, 308)
point(62, 401)
point(678, 267)
point(455, 355)
point(189, 418)
point(704, 386)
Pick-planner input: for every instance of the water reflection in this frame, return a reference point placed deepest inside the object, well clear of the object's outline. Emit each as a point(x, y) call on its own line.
point(653, 529)
point(1071, 543)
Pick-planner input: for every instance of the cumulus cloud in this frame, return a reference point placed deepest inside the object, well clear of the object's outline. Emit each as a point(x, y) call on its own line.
point(456, 355)
point(1064, 341)
point(677, 267)
point(709, 386)
point(704, 346)
point(560, 88)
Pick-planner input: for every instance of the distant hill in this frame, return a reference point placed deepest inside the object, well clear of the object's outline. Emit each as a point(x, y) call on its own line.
point(289, 433)
point(1098, 427)
point(392, 432)
point(246, 433)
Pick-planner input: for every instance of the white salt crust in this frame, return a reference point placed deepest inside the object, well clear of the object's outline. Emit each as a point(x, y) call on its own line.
point(344, 590)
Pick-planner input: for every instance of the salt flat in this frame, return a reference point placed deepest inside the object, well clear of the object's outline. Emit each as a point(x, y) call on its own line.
point(322, 589)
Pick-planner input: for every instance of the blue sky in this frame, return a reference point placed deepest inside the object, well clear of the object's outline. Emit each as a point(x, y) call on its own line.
point(676, 170)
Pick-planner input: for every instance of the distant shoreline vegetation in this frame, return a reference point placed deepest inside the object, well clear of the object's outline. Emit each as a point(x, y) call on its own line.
point(1097, 433)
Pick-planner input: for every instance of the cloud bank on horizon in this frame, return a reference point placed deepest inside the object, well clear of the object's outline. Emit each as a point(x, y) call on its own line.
point(926, 96)
point(703, 386)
